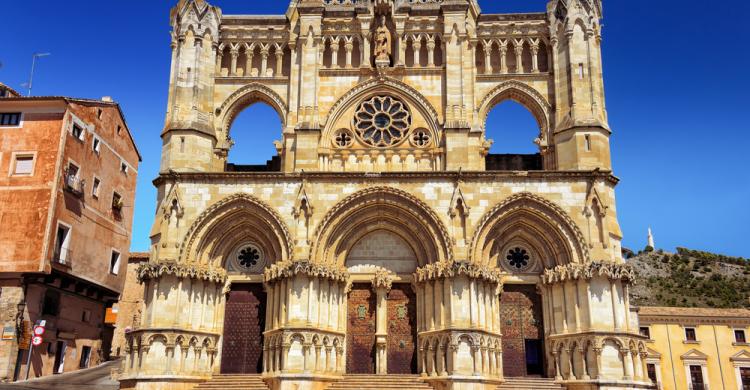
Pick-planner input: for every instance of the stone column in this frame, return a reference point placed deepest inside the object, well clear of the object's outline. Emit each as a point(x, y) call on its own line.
point(556, 356)
point(503, 57)
point(335, 53)
point(349, 46)
point(381, 330)
point(487, 57)
point(279, 61)
point(534, 56)
point(584, 364)
point(431, 52)
point(249, 55)
point(219, 58)
point(615, 304)
point(519, 56)
point(637, 365)
point(571, 366)
point(416, 47)
point(234, 53)
point(628, 363)
point(264, 61)
point(598, 353)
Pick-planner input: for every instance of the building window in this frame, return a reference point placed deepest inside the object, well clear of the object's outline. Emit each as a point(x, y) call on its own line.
point(114, 263)
point(645, 331)
point(587, 141)
point(51, 303)
point(123, 167)
point(10, 119)
point(85, 357)
point(73, 182)
point(690, 334)
point(96, 145)
point(651, 368)
point(77, 131)
point(99, 113)
point(382, 121)
point(62, 243)
point(95, 187)
point(117, 202)
point(23, 165)
point(696, 377)
point(745, 377)
point(739, 336)
point(86, 315)
point(119, 128)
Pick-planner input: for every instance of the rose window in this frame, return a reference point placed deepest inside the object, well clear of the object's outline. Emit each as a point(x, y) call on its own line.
point(382, 121)
point(518, 258)
point(342, 139)
point(420, 138)
point(249, 258)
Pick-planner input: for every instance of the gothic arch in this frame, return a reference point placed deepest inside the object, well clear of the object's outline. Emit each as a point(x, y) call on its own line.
point(381, 208)
point(523, 95)
point(538, 221)
point(388, 85)
point(243, 98)
point(231, 220)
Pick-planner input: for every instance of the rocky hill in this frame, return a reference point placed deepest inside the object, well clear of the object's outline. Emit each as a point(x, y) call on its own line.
point(690, 278)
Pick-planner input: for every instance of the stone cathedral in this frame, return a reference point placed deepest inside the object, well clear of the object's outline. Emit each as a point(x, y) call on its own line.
point(384, 246)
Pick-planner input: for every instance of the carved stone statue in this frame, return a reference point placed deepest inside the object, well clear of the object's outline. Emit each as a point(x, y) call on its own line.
point(382, 42)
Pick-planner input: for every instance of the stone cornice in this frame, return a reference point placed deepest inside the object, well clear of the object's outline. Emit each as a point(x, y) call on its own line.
point(453, 269)
point(693, 320)
point(212, 177)
point(576, 271)
point(148, 271)
point(288, 269)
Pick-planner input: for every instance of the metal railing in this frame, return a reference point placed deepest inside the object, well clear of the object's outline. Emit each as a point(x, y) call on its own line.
point(74, 184)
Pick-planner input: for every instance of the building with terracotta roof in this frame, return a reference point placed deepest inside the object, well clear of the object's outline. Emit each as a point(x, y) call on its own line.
point(697, 348)
point(68, 172)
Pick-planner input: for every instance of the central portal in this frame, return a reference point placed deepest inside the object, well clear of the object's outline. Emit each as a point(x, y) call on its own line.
point(523, 331)
point(244, 323)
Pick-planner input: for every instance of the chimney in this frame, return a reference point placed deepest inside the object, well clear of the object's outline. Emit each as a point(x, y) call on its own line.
point(107, 99)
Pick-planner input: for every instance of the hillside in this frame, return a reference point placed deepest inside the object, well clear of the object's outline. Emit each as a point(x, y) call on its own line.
point(690, 278)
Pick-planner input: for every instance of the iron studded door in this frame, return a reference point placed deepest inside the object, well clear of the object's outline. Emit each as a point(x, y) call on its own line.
point(360, 332)
point(402, 330)
point(244, 323)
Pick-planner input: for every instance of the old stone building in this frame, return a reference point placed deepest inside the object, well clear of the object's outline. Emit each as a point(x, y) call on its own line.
point(68, 171)
point(384, 238)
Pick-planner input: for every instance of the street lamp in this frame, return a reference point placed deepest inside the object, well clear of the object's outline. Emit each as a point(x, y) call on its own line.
point(33, 64)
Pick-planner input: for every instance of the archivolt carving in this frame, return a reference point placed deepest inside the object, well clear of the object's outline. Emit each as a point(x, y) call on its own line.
point(245, 96)
point(383, 207)
point(523, 94)
point(235, 203)
point(289, 269)
point(556, 223)
point(611, 270)
point(148, 271)
point(451, 270)
point(401, 90)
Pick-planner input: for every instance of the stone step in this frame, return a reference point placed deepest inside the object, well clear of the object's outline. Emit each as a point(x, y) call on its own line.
point(234, 382)
point(529, 384)
point(380, 382)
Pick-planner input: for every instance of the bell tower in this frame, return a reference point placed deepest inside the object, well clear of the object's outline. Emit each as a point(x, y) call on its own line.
point(581, 134)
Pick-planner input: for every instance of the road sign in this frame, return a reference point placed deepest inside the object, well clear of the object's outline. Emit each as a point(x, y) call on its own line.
point(36, 341)
point(38, 331)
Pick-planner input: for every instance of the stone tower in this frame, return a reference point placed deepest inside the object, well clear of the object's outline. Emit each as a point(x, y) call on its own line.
point(384, 238)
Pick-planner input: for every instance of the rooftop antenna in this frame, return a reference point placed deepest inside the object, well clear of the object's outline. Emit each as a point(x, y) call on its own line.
point(33, 65)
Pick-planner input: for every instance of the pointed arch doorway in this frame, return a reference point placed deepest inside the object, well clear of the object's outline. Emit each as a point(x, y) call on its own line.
point(382, 306)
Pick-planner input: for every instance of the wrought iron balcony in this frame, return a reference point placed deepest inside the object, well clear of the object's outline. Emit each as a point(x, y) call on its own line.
point(74, 184)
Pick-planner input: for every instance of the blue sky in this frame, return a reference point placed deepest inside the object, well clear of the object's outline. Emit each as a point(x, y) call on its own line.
point(676, 76)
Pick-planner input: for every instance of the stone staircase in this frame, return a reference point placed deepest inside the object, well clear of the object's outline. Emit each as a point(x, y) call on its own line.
point(530, 384)
point(238, 382)
point(380, 382)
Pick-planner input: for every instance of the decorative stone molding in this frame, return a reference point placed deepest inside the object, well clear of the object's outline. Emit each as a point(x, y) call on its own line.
point(523, 94)
point(576, 271)
point(289, 269)
point(453, 269)
point(212, 214)
point(148, 271)
point(383, 279)
point(557, 219)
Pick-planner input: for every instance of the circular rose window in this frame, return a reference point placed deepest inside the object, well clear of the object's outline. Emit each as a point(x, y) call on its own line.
point(518, 258)
point(382, 121)
point(249, 258)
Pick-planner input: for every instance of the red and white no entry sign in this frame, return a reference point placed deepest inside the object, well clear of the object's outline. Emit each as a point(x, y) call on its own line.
point(36, 341)
point(38, 330)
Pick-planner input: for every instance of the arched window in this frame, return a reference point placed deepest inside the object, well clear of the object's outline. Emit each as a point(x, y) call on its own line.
point(253, 133)
point(513, 129)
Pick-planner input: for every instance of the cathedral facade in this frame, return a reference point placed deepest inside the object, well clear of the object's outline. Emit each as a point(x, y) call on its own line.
point(384, 238)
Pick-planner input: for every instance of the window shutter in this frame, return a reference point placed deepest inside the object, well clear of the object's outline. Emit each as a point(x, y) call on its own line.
point(24, 165)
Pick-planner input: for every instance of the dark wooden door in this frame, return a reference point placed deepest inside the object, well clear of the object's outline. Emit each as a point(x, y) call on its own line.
point(360, 330)
point(244, 323)
point(523, 331)
point(402, 330)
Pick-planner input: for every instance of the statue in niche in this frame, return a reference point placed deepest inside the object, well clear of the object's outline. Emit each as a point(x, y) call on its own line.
point(382, 42)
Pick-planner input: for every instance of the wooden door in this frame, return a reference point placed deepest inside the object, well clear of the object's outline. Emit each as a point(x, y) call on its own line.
point(360, 330)
point(523, 331)
point(244, 323)
point(402, 330)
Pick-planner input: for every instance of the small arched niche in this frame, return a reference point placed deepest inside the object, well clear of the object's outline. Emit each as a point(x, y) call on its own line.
point(381, 250)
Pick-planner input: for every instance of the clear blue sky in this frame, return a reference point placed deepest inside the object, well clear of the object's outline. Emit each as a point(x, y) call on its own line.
point(676, 76)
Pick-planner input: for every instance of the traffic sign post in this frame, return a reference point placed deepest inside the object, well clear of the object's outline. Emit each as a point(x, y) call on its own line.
point(36, 340)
